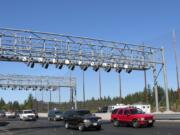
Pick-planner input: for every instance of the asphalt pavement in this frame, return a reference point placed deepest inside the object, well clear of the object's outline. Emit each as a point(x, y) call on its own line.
point(45, 127)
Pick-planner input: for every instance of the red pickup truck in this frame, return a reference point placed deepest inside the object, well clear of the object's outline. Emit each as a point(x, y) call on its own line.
point(131, 116)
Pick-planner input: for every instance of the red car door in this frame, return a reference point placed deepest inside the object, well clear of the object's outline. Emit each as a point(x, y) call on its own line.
point(126, 116)
point(120, 114)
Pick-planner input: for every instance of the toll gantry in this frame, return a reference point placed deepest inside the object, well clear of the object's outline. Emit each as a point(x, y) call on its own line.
point(34, 47)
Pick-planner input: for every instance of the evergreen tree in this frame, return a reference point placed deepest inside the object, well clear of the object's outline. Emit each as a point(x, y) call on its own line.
point(2, 103)
point(28, 104)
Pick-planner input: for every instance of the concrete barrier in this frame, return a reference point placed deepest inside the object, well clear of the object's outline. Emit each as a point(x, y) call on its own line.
point(107, 116)
point(43, 115)
point(104, 116)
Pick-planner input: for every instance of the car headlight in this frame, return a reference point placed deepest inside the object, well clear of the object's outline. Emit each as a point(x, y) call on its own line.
point(142, 119)
point(99, 120)
point(86, 121)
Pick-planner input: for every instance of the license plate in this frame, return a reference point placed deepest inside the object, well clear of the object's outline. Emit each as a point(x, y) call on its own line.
point(150, 121)
point(94, 124)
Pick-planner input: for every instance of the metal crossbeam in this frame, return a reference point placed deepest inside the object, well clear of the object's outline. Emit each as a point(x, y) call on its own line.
point(41, 47)
point(29, 82)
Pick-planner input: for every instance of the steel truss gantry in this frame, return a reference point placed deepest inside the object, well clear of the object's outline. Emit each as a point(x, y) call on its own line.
point(29, 82)
point(41, 47)
point(45, 48)
point(41, 83)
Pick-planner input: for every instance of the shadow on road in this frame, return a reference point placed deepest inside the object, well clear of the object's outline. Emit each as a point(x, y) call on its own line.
point(3, 123)
point(33, 128)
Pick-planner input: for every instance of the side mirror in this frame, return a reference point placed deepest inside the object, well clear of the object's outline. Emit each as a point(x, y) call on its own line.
point(93, 114)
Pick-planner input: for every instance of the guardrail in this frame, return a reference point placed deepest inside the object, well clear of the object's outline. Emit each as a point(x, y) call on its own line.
point(167, 116)
point(107, 116)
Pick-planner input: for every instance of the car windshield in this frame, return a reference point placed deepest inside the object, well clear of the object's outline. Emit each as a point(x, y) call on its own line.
point(84, 112)
point(28, 112)
point(58, 112)
point(136, 111)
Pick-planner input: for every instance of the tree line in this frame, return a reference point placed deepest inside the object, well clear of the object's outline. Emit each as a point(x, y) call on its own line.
point(14, 106)
point(147, 96)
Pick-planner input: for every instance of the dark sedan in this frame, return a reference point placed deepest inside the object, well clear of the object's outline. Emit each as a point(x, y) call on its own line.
point(81, 119)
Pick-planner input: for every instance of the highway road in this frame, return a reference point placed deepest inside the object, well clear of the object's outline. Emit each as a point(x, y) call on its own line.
point(44, 127)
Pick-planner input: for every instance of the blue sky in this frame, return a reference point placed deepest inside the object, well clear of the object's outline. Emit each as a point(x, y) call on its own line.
point(138, 21)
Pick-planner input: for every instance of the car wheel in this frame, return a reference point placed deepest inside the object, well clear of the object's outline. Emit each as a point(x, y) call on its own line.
point(151, 125)
point(66, 125)
point(135, 124)
point(55, 119)
point(115, 123)
point(81, 127)
point(49, 118)
point(98, 128)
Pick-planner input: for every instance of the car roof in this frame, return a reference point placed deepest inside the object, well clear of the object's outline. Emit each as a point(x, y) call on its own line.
point(82, 110)
point(125, 108)
point(27, 110)
point(57, 110)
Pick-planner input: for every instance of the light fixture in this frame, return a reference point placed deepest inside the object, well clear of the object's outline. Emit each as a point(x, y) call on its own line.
point(92, 63)
point(126, 66)
point(59, 66)
point(32, 64)
point(71, 66)
point(84, 67)
point(128, 70)
point(54, 61)
point(115, 65)
point(104, 64)
point(24, 59)
point(40, 59)
point(118, 70)
point(108, 69)
point(46, 65)
point(67, 62)
point(29, 63)
point(96, 68)
point(79, 62)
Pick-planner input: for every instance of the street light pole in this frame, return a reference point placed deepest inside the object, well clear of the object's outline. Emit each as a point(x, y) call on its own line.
point(176, 62)
point(145, 87)
point(59, 96)
point(84, 99)
point(100, 84)
point(155, 88)
point(120, 90)
point(165, 80)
